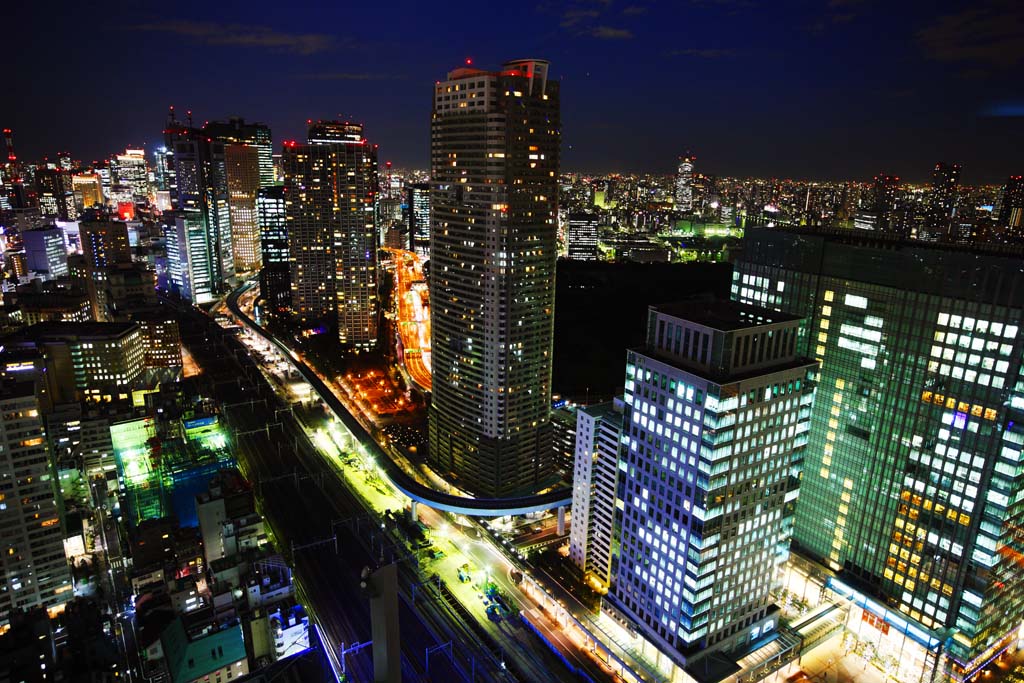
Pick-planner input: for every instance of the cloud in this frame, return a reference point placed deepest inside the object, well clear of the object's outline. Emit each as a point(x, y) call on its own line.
point(609, 33)
point(573, 17)
point(989, 33)
point(345, 76)
point(703, 53)
point(245, 35)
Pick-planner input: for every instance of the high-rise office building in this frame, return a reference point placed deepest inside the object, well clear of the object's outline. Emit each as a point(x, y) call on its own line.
point(275, 273)
point(197, 181)
point(34, 570)
point(885, 197)
point(418, 199)
point(717, 414)
point(493, 247)
point(105, 246)
point(87, 189)
point(45, 251)
point(910, 484)
point(592, 530)
point(684, 183)
point(257, 135)
point(188, 256)
point(130, 170)
point(942, 200)
point(104, 243)
point(243, 174)
point(330, 201)
point(55, 193)
point(1011, 206)
point(581, 237)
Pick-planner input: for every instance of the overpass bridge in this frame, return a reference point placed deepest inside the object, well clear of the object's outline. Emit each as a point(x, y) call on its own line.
point(399, 478)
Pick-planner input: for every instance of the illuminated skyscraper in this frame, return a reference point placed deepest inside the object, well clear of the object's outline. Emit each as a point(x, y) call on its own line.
point(275, 274)
point(330, 202)
point(717, 412)
point(942, 200)
point(130, 170)
point(242, 163)
point(45, 252)
point(684, 183)
point(419, 218)
point(56, 193)
point(33, 570)
point(494, 200)
point(87, 189)
point(197, 180)
point(912, 479)
point(257, 135)
point(581, 237)
point(1011, 206)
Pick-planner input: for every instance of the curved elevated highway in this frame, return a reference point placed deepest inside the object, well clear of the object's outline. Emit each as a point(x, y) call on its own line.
point(399, 478)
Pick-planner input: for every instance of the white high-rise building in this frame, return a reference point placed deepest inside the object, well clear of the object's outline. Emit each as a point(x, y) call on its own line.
point(581, 237)
point(716, 421)
point(595, 472)
point(684, 183)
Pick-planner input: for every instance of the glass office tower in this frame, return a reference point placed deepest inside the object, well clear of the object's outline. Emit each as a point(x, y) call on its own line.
point(912, 482)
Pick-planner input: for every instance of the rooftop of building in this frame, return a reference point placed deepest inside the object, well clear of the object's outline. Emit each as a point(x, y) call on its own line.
point(888, 240)
point(191, 660)
point(58, 330)
point(722, 314)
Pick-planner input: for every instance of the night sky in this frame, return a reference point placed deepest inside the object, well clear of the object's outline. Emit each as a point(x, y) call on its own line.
point(824, 90)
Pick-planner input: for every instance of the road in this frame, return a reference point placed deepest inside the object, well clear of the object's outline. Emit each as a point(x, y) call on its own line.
point(413, 313)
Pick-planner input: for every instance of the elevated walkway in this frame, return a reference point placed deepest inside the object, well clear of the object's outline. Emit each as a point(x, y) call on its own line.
point(399, 478)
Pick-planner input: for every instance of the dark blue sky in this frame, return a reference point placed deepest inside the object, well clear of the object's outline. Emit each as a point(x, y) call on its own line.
point(830, 89)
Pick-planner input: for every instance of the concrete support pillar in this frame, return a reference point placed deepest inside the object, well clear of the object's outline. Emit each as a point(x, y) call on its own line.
point(561, 520)
point(413, 512)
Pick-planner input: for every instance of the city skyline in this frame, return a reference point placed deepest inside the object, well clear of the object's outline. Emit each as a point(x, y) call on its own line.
point(745, 106)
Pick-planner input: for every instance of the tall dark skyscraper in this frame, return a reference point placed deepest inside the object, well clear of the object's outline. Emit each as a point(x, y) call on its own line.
point(197, 182)
point(942, 199)
point(55, 193)
point(1011, 206)
point(911, 481)
point(330, 195)
point(236, 131)
point(494, 200)
point(275, 275)
point(885, 197)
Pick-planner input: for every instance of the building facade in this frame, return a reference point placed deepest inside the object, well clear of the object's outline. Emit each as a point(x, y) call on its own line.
point(418, 198)
point(909, 488)
point(717, 414)
point(494, 205)
point(593, 529)
point(581, 236)
point(330, 203)
point(35, 571)
point(275, 272)
point(196, 171)
point(45, 252)
point(243, 177)
point(684, 183)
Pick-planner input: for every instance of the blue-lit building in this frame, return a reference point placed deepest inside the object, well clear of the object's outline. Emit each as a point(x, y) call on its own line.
point(716, 421)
